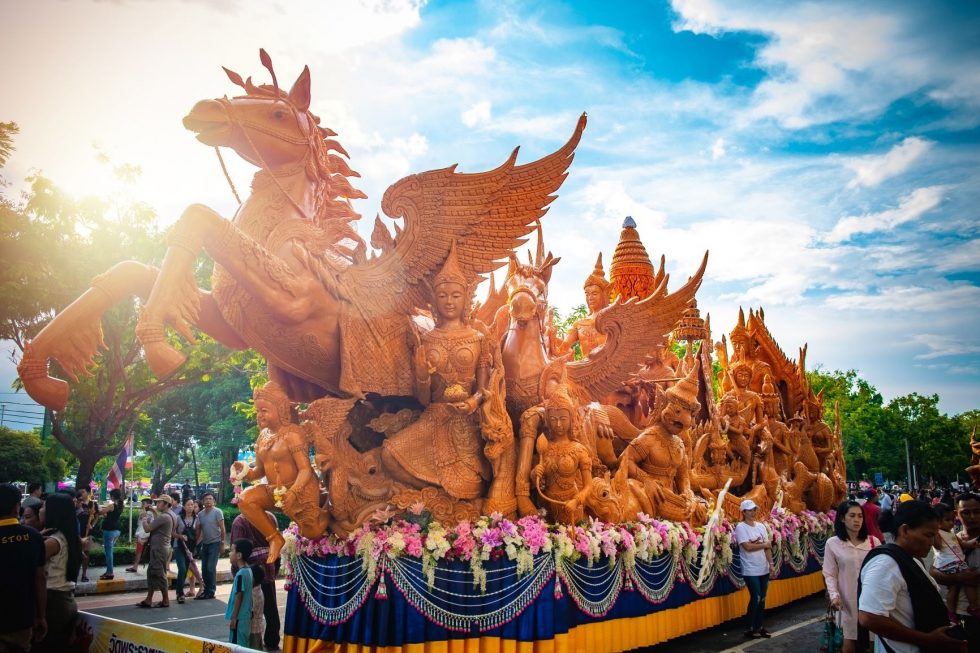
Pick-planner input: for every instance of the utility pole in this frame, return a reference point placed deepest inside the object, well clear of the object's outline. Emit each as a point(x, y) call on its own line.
point(908, 464)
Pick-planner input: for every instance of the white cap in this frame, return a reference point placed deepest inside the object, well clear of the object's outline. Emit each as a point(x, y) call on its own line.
point(749, 504)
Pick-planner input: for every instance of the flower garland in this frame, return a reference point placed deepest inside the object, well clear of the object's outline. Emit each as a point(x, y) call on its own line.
point(649, 556)
point(237, 478)
point(492, 537)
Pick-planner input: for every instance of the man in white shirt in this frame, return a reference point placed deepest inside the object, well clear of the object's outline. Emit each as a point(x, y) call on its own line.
point(890, 576)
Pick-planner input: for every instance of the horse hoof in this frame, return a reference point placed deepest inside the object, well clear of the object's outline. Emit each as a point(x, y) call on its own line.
point(163, 359)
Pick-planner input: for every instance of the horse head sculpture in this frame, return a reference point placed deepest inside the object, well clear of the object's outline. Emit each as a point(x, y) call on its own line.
point(527, 285)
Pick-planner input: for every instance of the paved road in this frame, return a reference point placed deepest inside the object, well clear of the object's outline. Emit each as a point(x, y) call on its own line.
point(199, 618)
point(795, 626)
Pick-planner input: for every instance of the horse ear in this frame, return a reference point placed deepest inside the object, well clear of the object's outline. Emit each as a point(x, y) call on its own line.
point(299, 94)
point(234, 77)
point(549, 264)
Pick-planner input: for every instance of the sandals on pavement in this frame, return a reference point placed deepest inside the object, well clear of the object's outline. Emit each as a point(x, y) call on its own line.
point(161, 604)
point(180, 599)
point(144, 604)
point(763, 633)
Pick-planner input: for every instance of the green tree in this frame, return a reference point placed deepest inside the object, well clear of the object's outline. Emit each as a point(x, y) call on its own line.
point(7, 132)
point(563, 324)
point(52, 245)
point(939, 445)
point(24, 458)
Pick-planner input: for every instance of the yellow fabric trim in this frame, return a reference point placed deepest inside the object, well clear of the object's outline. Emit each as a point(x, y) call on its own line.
point(601, 637)
point(11, 521)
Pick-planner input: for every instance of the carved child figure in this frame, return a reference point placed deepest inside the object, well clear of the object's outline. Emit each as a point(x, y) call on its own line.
point(735, 428)
point(282, 456)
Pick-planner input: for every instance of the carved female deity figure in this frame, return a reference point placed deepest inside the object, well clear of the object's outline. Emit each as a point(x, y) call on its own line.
point(749, 402)
point(583, 331)
point(658, 458)
point(282, 456)
point(443, 448)
point(563, 475)
point(735, 429)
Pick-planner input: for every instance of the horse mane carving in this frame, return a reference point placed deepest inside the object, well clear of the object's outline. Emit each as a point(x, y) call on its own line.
point(327, 171)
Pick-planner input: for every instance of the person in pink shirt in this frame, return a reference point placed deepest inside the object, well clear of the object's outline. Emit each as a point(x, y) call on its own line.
point(842, 559)
point(871, 512)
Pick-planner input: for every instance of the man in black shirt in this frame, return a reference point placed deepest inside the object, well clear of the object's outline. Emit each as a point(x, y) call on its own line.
point(22, 613)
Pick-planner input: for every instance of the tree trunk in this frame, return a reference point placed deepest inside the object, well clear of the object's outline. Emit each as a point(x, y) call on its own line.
point(224, 485)
point(86, 467)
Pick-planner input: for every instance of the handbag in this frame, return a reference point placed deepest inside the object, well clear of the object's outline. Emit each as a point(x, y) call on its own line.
point(832, 636)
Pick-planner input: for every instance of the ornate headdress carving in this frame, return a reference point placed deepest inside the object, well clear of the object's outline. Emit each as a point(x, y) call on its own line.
point(598, 277)
point(451, 272)
point(275, 395)
point(740, 333)
point(738, 367)
point(560, 399)
point(685, 391)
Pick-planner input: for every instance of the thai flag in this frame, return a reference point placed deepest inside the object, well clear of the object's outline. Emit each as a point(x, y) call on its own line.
point(123, 462)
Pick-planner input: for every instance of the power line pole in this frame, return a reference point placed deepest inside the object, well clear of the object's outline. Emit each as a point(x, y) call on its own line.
point(908, 464)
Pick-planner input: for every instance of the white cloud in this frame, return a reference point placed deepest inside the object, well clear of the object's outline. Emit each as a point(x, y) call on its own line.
point(918, 299)
point(833, 61)
point(478, 114)
point(869, 171)
point(940, 346)
point(718, 149)
point(959, 257)
point(910, 207)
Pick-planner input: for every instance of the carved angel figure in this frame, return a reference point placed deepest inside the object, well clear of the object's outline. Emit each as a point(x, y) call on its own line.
point(443, 448)
point(282, 456)
point(583, 331)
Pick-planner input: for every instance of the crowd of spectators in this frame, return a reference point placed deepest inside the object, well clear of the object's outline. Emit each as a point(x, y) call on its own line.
point(893, 545)
point(49, 538)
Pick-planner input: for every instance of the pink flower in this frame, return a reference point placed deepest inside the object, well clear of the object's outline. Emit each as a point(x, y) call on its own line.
point(416, 508)
point(491, 537)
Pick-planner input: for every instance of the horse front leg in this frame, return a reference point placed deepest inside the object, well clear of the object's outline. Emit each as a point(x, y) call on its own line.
point(173, 304)
point(174, 301)
point(74, 336)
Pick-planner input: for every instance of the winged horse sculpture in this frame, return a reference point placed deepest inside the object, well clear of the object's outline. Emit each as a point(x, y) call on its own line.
point(292, 279)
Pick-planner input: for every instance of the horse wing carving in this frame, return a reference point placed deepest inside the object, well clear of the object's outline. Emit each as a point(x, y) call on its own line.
point(486, 214)
point(632, 329)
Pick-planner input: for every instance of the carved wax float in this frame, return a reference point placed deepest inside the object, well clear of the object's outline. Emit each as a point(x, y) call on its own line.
point(421, 403)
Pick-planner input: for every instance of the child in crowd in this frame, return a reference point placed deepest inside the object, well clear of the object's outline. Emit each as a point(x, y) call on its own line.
point(951, 559)
point(141, 537)
point(239, 611)
point(258, 609)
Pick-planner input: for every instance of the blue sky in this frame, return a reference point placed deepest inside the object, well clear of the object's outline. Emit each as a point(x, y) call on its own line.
point(826, 153)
